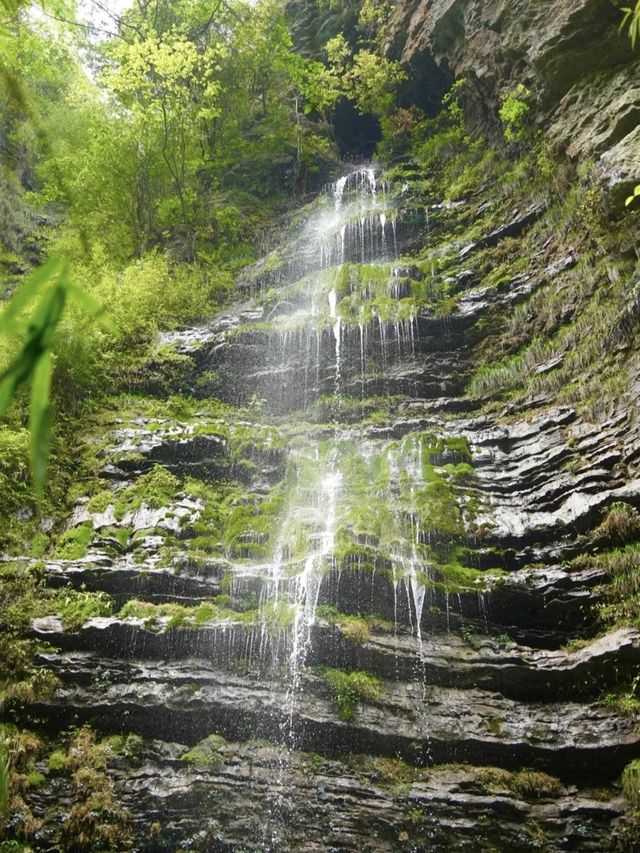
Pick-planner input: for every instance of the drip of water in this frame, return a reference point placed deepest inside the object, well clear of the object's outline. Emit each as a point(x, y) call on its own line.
point(307, 584)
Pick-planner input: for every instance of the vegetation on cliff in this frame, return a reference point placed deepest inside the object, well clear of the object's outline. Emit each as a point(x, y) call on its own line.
point(146, 163)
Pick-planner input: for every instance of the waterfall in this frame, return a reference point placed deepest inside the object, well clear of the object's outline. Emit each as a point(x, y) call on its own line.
point(355, 511)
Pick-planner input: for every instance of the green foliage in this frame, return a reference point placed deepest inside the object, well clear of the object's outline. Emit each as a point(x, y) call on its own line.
point(513, 113)
point(621, 523)
point(74, 542)
point(172, 616)
point(14, 471)
point(631, 20)
point(95, 818)
point(366, 78)
point(349, 688)
point(19, 749)
point(57, 761)
point(21, 598)
point(4, 784)
point(631, 782)
point(75, 607)
point(625, 701)
point(157, 488)
point(452, 102)
point(532, 784)
point(622, 594)
point(636, 194)
point(34, 360)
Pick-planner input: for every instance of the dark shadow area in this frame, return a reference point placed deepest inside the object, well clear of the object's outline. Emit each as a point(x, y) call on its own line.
point(357, 135)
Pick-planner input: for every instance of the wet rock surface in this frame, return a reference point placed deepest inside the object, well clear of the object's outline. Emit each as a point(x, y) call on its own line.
point(343, 806)
point(581, 69)
point(415, 538)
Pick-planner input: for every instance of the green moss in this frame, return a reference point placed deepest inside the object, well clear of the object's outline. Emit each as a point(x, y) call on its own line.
point(387, 772)
point(15, 491)
point(532, 784)
point(249, 527)
point(621, 604)
point(349, 688)
point(624, 702)
point(631, 782)
point(100, 501)
point(208, 753)
point(157, 488)
point(278, 616)
point(74, 543)
point(179, 616)
point(122, 535)
point(355, 628)
point(57, 761)
point(95, 814)
point(620, 524)
point(75, 607)
point(35, 779)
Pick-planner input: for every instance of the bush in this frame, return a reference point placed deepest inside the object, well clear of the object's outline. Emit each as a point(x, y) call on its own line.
point(349, 688)
point(621, 523)
point(15, 491)
point(513, 114)
point(631, 782)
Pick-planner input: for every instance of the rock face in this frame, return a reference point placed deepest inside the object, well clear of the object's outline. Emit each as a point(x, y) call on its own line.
point(580, 69)
point(345, 591)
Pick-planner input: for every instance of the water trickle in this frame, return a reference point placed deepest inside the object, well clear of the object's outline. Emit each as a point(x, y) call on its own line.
point(350, 531)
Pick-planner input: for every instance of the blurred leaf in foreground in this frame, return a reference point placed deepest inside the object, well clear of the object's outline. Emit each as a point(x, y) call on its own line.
point(33, 361)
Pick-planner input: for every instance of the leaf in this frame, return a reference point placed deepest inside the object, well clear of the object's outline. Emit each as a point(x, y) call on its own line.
point(40, 420)
point(13, 377)
point(632, 198)
point(23, 295)
point(47, 314)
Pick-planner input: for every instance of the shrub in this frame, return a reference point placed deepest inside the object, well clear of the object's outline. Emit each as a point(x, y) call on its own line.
point(631, 782)
point(513, 113)
point(349, 688)
point(620, 524)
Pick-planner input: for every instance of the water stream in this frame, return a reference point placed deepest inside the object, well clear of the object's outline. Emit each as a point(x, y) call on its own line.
point(349, 502)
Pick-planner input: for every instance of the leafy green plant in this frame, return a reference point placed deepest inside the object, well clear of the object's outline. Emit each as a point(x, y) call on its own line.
point(452, 102)
point(631, 19)
point(620, 524)
point(57, 761)
point(349, 688)
point(206, 753)
point(631, 782)
point(4, 784)
point(34, 361)
point(634, 195)
point(513, 113)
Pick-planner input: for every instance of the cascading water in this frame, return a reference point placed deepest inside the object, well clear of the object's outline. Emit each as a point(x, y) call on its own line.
point(367, 517)
point(334, 483)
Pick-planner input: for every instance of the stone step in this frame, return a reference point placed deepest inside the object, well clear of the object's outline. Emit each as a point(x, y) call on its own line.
point(255, 797)
point(123, 581)
point(448, 660)
point(541, 607)
point(420, 723)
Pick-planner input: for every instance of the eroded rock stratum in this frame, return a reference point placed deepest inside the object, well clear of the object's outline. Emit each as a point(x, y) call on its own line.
point(343, 595)
point(583, 77)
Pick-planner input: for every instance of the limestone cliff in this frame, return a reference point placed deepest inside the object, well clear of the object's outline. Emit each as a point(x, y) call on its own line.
point(583, 75)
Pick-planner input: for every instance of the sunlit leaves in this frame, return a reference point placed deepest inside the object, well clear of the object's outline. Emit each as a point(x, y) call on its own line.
point(169, 72)
point(633, 196)
point(366, 78)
